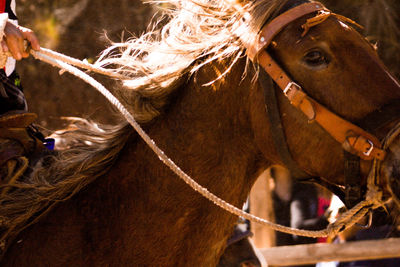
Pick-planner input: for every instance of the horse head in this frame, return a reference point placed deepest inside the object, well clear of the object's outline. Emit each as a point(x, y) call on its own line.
point(334, 92)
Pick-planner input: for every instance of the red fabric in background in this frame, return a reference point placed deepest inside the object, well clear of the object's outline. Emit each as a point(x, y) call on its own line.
point(323, 205)
point(2, 6)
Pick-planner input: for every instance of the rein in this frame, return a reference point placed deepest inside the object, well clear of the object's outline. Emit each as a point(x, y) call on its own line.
point(361, 143)
point(346, 220)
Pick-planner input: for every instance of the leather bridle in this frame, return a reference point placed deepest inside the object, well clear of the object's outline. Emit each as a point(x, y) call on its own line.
point(356, 142)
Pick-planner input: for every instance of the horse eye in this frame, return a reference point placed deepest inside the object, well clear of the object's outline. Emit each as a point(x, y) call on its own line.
point(315, 58)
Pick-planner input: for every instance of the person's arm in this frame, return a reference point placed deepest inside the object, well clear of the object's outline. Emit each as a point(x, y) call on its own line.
point(14, 36)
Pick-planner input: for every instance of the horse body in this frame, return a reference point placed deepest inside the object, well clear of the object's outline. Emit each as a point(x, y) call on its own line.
point(140, 213)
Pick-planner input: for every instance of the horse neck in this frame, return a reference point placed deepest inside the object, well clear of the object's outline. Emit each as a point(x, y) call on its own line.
point(207, 132)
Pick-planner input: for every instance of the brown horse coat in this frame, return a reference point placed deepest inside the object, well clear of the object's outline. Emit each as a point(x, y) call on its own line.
point(141, 214)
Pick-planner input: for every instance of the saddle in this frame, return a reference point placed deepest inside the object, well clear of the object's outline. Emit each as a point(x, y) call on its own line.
point(20, 142)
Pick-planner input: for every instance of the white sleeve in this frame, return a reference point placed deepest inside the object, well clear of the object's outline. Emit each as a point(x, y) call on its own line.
point(3, 21)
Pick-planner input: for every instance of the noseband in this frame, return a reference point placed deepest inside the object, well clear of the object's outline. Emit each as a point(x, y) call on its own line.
point(356, 142)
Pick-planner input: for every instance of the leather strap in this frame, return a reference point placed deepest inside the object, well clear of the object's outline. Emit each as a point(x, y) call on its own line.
point(18, 127)
point(19, 120)
point(354, 139)
point(269, 31)
point(352, 174)
point(277, 132)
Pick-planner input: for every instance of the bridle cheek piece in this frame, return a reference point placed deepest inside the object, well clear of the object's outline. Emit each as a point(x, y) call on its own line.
point(355, 141)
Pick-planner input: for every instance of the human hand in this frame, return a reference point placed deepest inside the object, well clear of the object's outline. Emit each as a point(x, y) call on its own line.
point(13, 41)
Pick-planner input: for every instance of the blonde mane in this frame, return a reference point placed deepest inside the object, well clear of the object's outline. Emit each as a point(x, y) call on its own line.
point(197, 32)
point(188, 35)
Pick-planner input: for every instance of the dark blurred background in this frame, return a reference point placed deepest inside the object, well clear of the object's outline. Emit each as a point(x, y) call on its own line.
point(78, 28)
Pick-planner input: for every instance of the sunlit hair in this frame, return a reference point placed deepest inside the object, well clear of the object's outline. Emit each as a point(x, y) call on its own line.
point(190, 34)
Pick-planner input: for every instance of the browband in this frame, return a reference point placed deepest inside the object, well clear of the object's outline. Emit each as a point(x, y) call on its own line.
point(270, 30)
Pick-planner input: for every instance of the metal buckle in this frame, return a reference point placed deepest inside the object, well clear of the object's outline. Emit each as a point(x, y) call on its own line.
point(369, 223)
point(367, 153)
point(290, 86)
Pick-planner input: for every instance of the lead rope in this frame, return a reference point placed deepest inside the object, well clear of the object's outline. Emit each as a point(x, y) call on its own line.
point(345, 221)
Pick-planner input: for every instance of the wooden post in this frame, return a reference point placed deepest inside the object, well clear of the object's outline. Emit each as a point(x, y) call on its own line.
point(261, 205)
point(350, 251)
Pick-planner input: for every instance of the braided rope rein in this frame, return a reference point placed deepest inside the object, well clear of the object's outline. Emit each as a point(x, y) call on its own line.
point(345, 221)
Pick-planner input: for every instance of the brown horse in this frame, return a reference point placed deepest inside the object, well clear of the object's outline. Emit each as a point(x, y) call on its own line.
point(197, 96)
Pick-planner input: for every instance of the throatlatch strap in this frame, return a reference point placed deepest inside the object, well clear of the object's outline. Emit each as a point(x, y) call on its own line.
point(279, 138)
point(277, 132)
